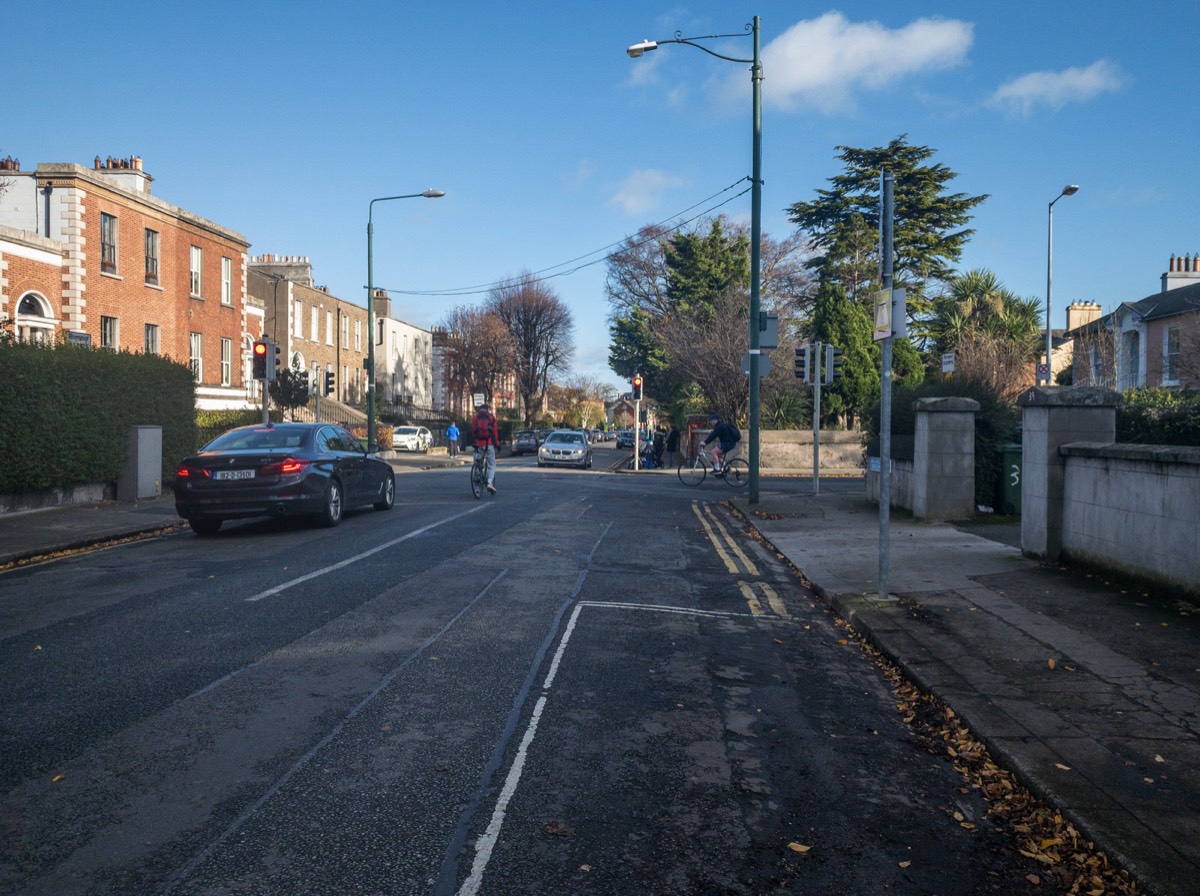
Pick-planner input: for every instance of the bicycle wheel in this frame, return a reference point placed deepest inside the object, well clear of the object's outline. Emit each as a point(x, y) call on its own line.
point(478, 478)
point(693, 470)
point(737, 472)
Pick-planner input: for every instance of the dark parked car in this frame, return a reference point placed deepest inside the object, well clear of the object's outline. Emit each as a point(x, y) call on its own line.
point(281, 469)
point(625, 438)
point(525, 442)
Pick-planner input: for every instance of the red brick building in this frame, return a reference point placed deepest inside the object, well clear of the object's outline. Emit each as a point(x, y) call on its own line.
point(89, 254)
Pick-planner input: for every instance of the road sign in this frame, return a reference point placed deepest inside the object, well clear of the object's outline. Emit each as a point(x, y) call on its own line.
point(764, 365)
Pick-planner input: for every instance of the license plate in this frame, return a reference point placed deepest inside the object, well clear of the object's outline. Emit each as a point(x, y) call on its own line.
point(233, 474)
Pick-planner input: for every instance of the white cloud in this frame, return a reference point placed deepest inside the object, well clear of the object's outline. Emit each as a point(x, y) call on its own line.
point(643, 191)
point(824, 62)
point(1057, 89)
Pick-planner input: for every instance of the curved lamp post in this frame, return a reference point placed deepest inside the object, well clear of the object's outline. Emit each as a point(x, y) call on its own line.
point(428, 194)
point(1068, 190)
point(755, 324)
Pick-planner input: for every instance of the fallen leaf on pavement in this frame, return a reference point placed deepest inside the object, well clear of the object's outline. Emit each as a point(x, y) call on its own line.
point(559, 828)
point(799, 847)
point(1050, 663)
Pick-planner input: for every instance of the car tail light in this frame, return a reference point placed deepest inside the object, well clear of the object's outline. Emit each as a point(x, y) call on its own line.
point(185, 472)
point(286, 467)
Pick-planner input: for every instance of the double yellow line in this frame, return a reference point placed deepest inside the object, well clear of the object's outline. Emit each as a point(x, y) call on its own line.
point(738, 563)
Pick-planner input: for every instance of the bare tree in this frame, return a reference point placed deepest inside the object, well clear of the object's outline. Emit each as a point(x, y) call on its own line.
point(579, 400)
point(479, 347)
point(540, 328)
point(709, 351)
point(637, 274)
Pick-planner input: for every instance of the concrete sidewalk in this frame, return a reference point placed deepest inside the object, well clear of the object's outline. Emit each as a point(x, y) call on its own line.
point(1107, 733)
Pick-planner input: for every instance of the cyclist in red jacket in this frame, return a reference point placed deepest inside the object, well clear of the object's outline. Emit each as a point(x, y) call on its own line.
point(487, 436)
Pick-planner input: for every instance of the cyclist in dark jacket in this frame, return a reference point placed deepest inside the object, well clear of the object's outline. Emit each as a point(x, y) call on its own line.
point(726, 435)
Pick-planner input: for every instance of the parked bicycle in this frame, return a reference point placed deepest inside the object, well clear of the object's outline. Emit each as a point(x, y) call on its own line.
point(479, 473)
point(694, 470)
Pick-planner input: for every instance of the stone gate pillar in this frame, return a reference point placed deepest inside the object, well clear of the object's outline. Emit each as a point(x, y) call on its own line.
point(944, 458)
point(1052, 417)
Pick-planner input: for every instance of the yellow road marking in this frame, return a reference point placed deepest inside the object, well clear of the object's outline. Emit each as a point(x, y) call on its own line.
point(751, 601)
point(774, 601)
point(729, 564)
point(730, 541)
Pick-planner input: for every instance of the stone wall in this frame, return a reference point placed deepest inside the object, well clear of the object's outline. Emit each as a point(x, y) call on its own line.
point(1134, 509)
point(792, 449)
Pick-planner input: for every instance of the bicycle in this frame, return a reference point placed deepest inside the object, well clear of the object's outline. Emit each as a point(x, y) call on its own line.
point(479, 473)
point(693, 471)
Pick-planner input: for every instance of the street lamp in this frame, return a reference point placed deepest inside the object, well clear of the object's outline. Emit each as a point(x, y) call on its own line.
point(428, 194)
point(640, 49)
point(1068, 190)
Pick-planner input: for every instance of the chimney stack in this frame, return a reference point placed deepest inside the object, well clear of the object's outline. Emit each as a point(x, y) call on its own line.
point(1182, 270)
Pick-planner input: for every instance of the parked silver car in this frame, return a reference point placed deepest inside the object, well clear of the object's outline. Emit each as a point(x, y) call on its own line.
point(566, 448)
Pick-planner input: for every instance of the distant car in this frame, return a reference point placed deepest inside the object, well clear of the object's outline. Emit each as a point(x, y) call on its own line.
point(625, 439)
point(525, 442)
point(567, 448)
point(281, 469)
point(411, 438)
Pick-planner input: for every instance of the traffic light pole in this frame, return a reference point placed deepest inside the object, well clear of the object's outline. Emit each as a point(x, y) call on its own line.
point(814, 371)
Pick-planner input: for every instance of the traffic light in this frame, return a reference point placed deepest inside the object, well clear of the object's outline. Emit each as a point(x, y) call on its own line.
point(802, 363)
point(637, 387)
point(328, 382)
point(259, 362)
point(833, 364)
point(273, 369)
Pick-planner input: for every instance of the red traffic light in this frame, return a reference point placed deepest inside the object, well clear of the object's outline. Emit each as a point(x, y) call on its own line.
point(260, 349)
point(637, 382)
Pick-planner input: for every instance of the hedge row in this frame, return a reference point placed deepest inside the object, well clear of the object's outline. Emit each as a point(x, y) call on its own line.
point(1159, 417)
point(66, 412)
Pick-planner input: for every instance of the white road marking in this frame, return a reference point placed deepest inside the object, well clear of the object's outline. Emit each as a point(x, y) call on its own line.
point(487, 842)
point(278, 589)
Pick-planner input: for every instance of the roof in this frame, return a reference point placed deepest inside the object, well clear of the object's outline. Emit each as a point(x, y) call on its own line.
point(1159, 305)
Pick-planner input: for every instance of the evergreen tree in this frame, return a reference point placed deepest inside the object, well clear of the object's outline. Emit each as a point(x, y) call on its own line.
point(846, 325)
point(289, 389)
point(929, 229)
point(700, 268)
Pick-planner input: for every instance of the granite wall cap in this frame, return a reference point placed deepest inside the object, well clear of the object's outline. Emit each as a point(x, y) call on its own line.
point(1068, 397)
point(946, 404)
point(1153, 454)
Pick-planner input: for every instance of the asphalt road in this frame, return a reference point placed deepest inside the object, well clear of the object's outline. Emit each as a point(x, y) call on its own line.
point(590, 683)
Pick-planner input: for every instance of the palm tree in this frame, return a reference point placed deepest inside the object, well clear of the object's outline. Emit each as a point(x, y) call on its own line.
point(995, 334)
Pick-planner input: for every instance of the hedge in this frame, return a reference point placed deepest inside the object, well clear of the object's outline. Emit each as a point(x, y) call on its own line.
point(66, 412)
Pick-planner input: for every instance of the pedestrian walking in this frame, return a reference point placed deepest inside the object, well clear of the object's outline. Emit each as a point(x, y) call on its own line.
point(672, 446)
point(452, 439)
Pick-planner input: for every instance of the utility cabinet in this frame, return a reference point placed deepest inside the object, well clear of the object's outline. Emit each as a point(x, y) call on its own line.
point(141, 477)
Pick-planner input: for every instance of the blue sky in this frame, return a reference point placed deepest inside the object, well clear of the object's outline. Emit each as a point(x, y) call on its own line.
point(282, 120)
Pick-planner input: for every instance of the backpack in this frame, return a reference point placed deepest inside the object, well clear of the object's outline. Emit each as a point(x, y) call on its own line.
point(482, 430)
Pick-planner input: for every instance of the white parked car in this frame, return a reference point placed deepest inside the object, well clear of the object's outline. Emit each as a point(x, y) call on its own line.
point(411, 438)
